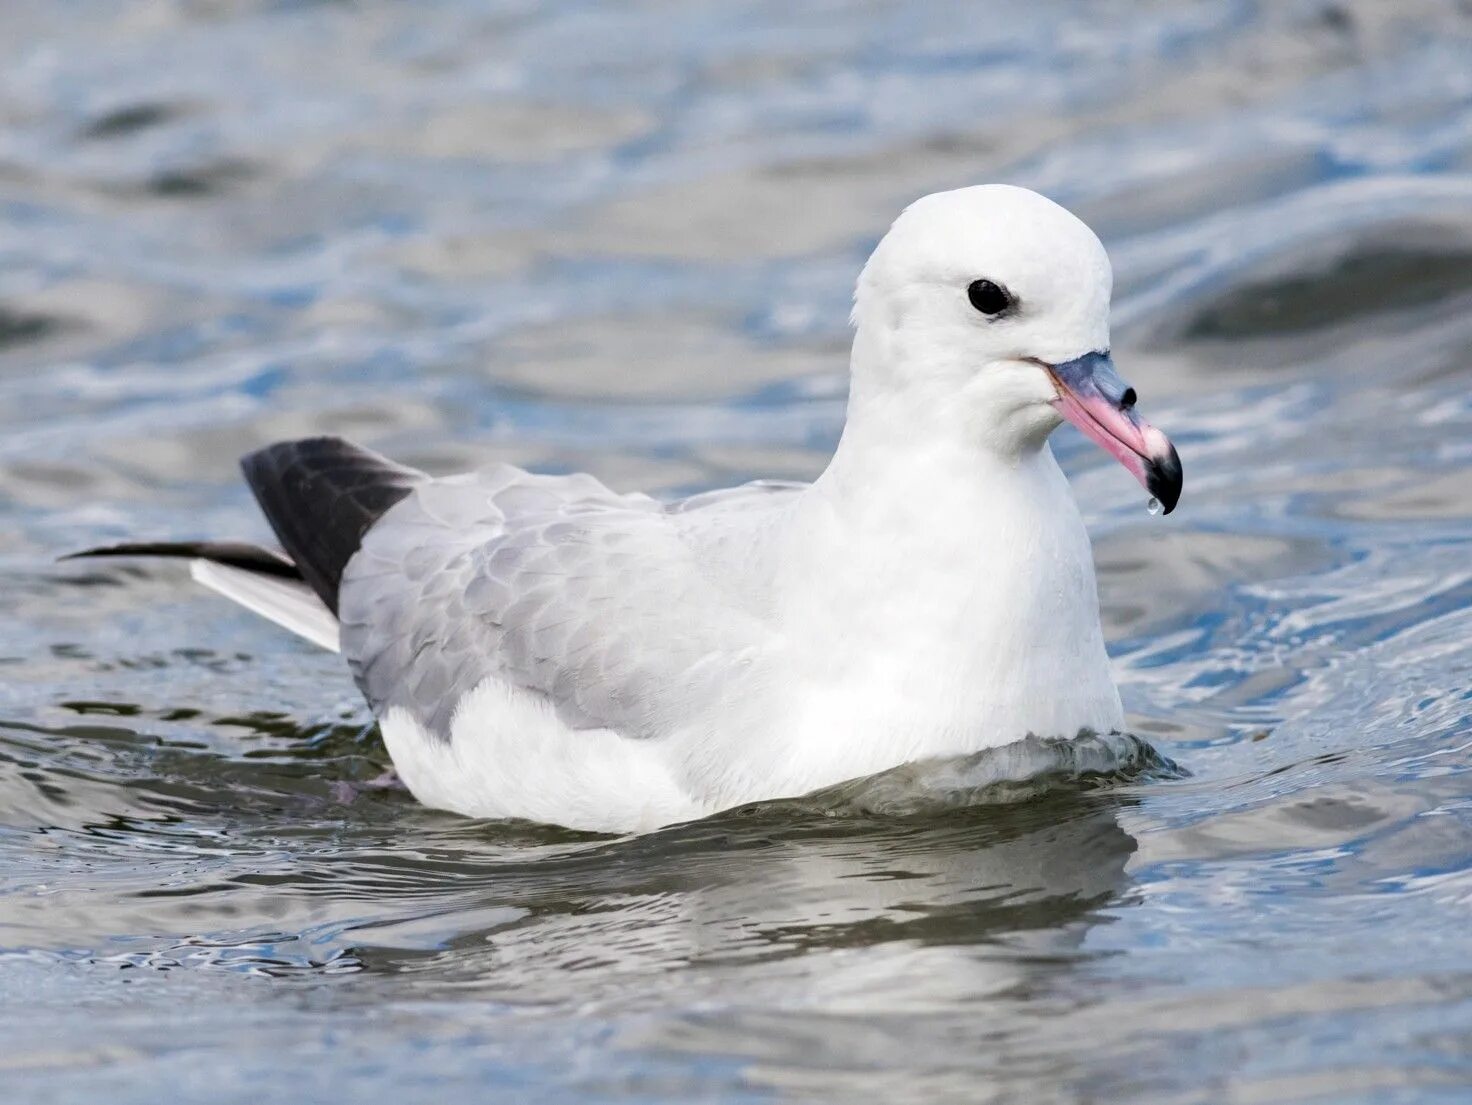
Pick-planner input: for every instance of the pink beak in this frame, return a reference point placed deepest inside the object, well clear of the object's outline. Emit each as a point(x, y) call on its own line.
point(1092, 396)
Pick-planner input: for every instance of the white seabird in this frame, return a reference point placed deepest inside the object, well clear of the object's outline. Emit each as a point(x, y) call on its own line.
point(542, 647)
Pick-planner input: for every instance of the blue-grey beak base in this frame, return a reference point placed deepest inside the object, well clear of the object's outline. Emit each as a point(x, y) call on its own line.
point(1095, 398)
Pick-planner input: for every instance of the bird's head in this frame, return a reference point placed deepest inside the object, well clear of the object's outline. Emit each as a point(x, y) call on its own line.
point(988, 307)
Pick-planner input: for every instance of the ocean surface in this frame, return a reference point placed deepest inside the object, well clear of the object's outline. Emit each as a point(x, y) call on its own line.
point(622, 238)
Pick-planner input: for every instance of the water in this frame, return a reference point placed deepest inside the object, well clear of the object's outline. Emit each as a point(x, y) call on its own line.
point(623, 239)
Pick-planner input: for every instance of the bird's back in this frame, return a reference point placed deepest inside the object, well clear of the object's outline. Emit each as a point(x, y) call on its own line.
point(623, 614)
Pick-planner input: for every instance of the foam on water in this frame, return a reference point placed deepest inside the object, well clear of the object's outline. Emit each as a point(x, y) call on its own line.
point(1015, 772)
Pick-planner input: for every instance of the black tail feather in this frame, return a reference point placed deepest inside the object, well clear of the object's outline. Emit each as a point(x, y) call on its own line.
point(321, 495)
point(234, 554)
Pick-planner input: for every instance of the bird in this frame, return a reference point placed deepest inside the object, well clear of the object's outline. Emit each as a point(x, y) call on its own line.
point(542, 647)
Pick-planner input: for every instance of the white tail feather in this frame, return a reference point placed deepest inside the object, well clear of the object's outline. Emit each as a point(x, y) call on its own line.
point(286, 602)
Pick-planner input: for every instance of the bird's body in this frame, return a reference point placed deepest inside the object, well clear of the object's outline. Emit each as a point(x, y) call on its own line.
point(544, 648)
point(748, 644)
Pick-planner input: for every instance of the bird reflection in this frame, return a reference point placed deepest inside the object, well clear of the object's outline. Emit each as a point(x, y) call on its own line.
point(842, 910)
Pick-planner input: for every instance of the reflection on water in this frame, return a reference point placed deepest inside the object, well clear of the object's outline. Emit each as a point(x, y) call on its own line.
point(623, 239)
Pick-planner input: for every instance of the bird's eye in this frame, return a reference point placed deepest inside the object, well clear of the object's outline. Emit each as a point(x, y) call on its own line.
point(989, 298)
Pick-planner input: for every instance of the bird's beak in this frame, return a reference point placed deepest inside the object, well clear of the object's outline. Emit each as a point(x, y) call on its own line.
point(1092, 396)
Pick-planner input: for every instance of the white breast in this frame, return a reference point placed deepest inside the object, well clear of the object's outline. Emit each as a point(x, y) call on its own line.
point(941, 639)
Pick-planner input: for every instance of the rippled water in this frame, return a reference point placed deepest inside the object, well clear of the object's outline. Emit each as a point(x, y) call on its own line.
point(622, 238)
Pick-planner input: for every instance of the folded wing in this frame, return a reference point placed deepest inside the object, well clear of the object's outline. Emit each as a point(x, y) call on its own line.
point(553, 584)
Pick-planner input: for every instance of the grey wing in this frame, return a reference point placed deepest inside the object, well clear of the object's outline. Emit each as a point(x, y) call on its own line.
point(550, 583)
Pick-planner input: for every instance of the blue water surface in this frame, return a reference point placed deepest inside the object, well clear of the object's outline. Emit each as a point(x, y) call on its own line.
point(622, 238)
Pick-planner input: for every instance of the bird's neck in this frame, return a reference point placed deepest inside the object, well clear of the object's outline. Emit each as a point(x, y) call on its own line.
point(894, 491)
point(917, 453)
point(961, 574)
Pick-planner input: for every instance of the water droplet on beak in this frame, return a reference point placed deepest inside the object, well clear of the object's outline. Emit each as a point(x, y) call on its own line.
point(1153, 506)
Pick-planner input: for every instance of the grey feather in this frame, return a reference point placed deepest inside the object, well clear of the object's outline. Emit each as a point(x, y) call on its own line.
point(557, 585)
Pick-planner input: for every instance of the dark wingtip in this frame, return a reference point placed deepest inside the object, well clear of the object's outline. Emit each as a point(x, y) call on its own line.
point(128, 549)
point(321, 495)
point(1164, 479)
point(234, 554)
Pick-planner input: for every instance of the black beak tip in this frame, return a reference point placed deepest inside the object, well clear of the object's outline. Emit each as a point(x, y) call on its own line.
point(1163, 479)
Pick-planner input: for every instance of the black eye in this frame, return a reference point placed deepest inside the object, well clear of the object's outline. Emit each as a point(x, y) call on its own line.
point(989, 298)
